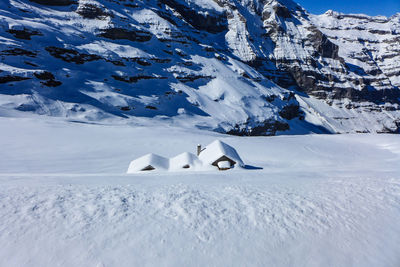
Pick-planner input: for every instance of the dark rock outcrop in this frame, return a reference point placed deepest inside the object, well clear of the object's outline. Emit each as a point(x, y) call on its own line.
point(131, 35)
point(55, 2)
point(70, 55)
point(290, 112)
point(282, 11)
point(323, 46)
point(12, 78)
point(92, 11)
point(52, 83)
point(134, 79)
point(44, 75)
point(193, 77)
point(210, 23)
point(24, 34)
point(268, 128)
point(18, 52)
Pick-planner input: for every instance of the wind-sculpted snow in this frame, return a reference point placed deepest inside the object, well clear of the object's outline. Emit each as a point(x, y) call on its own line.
point(312, 200)
point(239, 67)
point(125, 225)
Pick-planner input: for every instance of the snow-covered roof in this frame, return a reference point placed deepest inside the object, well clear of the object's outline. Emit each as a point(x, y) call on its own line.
point(215, 151)
point(182, 160)
point(153, 160)
point(218, 149)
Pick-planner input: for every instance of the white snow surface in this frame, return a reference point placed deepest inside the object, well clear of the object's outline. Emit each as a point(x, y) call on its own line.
point(319, 200)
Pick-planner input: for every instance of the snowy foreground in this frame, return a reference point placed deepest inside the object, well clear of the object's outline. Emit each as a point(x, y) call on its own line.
point(314, 200)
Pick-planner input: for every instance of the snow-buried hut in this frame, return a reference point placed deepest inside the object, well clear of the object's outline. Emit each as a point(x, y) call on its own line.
point(185, 160)
point(148, 162)
point(217, 154)
point(220, 155)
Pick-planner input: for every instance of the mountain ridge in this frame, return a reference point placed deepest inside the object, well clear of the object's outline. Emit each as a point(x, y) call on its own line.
point(239, 67)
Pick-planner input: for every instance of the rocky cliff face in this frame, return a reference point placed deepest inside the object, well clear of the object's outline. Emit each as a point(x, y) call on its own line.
point(248, 67)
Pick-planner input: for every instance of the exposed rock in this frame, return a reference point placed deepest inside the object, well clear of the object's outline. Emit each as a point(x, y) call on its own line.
point(270, 98)
point(132, 35)
point(125, 108)
point(24, 34)
point(290, 112)
point(18, 52)
point(140, 61)
point(116, 62)
point(161, 60)
point(134, 79)
point(12, 78)
point(282, 11)
point(52, 83)
point(324, 47)
point(55, 2)
point(210, 23)
point(70, 55)
point(44, 75)
point(151, 107)
point(31, 64)
point(92, 11)
point(131, 5)
point(193, 77)
point(268, 128)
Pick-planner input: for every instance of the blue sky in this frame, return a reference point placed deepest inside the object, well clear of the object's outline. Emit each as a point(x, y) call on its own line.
point(369, 7)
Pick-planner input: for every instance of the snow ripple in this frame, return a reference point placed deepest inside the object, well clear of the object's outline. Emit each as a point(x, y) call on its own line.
point(121, 218)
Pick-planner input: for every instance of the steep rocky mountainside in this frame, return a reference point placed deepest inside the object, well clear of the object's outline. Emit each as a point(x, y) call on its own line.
point(246, 67)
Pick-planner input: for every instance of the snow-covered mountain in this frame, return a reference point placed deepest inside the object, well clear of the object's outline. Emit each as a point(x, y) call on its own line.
point(246, 67)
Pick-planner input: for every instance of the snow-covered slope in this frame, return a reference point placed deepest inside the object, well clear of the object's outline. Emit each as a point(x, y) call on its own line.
point(240, 67)
point(370, 43)
point(311, 200)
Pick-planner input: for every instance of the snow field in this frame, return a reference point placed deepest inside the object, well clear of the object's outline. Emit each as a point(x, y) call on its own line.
point(348, 222)
point(318, 200)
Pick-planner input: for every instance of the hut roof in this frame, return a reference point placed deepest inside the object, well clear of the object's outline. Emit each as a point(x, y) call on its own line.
point(183, 160)
point(149, 161)
point(218, 149)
